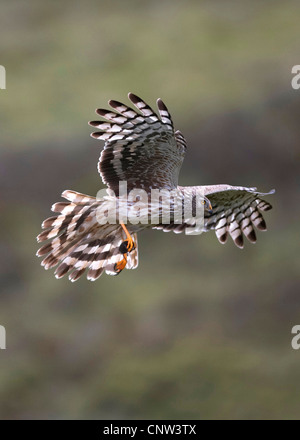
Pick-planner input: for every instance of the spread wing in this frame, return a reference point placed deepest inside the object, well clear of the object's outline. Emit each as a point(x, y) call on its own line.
point(140, 148)
point(235, 212)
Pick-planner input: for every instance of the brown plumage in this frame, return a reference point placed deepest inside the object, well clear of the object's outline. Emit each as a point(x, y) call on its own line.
point(143, 149)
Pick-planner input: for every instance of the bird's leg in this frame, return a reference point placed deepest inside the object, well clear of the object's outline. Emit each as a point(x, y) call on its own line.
point(125, 247)
point(128, 244)
point(121, 264)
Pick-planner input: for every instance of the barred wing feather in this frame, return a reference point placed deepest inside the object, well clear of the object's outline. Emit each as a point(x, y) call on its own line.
point(235, 212)
point(140, 148)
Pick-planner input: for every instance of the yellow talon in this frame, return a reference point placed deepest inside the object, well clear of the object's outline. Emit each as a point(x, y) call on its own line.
point(121, 264)
point(130, 243)
point(125, 247)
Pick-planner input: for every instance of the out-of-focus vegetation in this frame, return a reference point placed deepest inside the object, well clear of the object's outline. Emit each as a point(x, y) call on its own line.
point(199, 330)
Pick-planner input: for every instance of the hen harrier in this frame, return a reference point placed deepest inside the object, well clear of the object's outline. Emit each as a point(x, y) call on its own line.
point(143, 150)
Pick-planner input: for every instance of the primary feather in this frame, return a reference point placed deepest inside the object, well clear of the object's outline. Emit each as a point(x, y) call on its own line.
point(141, 148)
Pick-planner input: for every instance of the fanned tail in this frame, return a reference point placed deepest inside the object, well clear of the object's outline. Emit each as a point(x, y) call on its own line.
point(78, 243)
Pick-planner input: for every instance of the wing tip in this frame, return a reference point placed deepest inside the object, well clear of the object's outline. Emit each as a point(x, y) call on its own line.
point(134, 98)
point(102, 112)
point(161, 105)
point(115, 104)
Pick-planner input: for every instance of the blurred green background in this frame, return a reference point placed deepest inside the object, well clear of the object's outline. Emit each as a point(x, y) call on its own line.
point(199, 330)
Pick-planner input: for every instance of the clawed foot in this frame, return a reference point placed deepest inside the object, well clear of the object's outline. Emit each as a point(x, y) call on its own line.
point(125, 247)
point(121, 264)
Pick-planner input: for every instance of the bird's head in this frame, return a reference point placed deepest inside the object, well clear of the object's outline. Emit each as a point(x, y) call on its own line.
point(207, 205)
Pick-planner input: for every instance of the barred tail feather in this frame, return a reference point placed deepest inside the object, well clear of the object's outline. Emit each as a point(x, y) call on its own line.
point(133, 259)
point(78, 243)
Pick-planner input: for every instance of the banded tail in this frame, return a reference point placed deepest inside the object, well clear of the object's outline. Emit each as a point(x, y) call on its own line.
point(78, 243)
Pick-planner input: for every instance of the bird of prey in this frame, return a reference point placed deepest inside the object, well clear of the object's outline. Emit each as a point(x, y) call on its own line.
point(143, 150)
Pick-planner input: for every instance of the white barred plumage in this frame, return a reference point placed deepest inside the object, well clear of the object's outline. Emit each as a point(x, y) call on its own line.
point(235, 212)
point(142, 149)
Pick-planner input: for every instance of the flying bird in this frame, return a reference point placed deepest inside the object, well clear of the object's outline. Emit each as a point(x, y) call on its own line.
point(142, 149)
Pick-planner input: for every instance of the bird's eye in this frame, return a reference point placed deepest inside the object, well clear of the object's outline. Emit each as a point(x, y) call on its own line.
point(203, 202)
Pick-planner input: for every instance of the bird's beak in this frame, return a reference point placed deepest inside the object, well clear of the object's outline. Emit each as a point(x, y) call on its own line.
point(210, 210)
